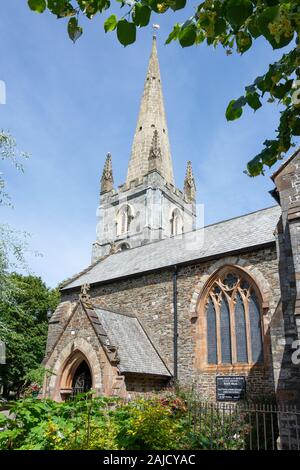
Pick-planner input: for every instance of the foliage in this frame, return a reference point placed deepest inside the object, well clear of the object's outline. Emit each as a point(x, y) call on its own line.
point(9, 152)
point(13, 244)
point(232, 24)
point(44, 424)
point(37, 375)
point(25, 319)
point(156, 423)
point(151, 424)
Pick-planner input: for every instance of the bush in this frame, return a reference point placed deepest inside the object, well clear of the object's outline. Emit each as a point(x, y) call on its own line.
point(46, 425)
point(155, 424)
point(164, 422)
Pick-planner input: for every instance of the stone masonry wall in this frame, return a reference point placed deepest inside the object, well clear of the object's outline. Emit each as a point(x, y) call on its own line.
point(287, 319)
point(79, 335)
point(150, 298)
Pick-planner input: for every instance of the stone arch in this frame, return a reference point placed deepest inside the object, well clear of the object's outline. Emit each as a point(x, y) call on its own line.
point(217, 271)
point(252, 271)
point(123, 246)
point(70, 368)
point(124, 216)
point(66, 364)
point(176, 222)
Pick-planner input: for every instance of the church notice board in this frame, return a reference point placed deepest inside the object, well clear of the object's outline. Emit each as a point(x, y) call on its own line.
point(230, 387)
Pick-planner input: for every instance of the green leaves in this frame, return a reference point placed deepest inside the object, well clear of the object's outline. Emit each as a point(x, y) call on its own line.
point(91, 7)
point(238, 11)
point(233, 111)
point(187, 35)
point(141, 15)
point(61, 8)
point(111, 23)
point(253, 100)
point(37, 5)
point(269, 23)
point(74, 30)
point(174, 34)
point(243, 41)
point(220, 26)
point(178, 4)
point(126, 32)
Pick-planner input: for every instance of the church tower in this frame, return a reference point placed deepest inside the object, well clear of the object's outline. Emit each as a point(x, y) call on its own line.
point(148, 206)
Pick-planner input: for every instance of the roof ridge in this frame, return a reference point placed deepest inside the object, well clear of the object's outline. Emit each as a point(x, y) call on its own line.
point(240, 216)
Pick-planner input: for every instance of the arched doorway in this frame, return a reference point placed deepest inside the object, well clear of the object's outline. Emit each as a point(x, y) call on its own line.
point(76, 376)
point(82, 379)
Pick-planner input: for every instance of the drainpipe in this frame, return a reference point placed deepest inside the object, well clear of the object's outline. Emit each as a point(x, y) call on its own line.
point(175, 324)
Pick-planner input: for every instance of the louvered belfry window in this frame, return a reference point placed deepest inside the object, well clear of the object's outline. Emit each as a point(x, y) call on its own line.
point(233, 321)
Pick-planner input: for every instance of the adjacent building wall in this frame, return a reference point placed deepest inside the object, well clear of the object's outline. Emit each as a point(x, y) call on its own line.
point(286, 322)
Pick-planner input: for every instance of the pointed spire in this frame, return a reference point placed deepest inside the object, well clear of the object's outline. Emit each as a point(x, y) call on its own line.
point(107, 180)
point(189, 183)
point(155, 153)
point(151, 118)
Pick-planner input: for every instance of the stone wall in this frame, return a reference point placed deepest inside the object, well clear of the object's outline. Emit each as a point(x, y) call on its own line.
point(150, 298)
point(151, 200)
point(79, 335)
point(286, 322)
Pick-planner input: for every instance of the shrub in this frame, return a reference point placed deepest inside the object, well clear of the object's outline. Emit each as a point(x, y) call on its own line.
point(155, 424)
point(165, 422)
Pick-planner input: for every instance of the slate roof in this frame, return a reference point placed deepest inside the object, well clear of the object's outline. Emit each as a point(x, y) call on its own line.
point(238, 234)
point(137, 353)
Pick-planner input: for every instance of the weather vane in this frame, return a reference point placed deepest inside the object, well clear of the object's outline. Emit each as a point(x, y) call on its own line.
point(155, 27)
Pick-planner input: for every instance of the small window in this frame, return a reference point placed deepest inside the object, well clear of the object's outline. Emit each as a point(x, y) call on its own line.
point(124, 219)
point(176, 227)
point(123, 247)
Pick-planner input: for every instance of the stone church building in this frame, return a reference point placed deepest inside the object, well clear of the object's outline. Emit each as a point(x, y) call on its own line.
point(163, 301)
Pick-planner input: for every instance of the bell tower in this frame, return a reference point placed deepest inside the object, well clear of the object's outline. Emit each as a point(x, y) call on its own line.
point(148, 206)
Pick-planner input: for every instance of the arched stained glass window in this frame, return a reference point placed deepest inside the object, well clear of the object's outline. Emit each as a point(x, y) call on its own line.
point(233, 320)
point(211, 333)
point(225, 332)
point(240, 330)
point(255, 323)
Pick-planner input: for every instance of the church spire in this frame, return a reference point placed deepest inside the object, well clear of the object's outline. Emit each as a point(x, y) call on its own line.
point(151, 119)
point(189, 183)
point(107, 180)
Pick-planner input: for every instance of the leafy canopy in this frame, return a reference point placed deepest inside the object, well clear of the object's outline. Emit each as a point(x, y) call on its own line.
point(24, 320)
point(232, 24)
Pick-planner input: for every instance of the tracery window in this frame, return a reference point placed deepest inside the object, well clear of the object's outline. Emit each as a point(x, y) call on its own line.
point(176, 223)
point(124, 218)
point(233, 321)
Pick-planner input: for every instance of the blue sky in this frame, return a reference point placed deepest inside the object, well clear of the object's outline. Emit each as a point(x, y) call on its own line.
point(68, 105)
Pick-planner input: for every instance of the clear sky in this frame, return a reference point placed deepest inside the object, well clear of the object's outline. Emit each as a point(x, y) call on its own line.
point(68, 105)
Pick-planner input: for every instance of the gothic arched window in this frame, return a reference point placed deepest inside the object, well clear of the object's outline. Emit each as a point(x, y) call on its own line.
point(176, 223)
point(231, 328)
point(124, 218)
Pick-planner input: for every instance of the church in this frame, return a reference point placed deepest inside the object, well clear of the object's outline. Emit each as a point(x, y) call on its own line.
point(215, 308)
